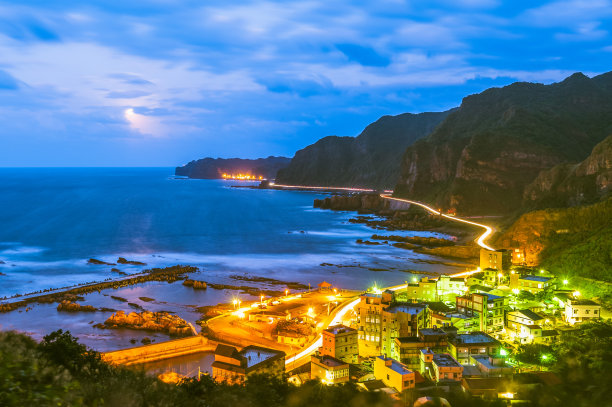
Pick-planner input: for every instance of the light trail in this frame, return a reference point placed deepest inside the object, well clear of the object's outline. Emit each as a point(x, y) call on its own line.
point(327, 188)
point(481, 239)
point(335, 321)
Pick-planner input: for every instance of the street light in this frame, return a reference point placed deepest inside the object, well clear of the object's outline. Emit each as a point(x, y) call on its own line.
point(286, 293)
point(235, 303)
point(261, 297)
point(565, 282)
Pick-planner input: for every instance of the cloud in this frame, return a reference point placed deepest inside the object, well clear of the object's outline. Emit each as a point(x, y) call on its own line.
point(260, 77)
point(363, 55)
point(7, 82)
point(130, 94)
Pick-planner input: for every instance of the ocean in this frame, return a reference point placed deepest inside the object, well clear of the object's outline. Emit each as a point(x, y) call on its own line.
point(53, 220)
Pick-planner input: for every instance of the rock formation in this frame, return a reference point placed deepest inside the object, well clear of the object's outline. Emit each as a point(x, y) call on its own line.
point(484, 154)
point(574, 184)
point(198, 285)
point(70, 306)
point(370, 160)
point(151, 321)
point(213, 168)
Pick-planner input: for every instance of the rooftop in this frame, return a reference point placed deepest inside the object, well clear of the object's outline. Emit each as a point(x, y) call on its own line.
point(340, 329)
point(526, 313)
point(444, 359)
point(486, 362)
point(537, 278)
point(431, 332)
point(256, 354)
point(330, 361)
point(413, 309)
point(583, 302)
point(227, 351)
point(396, 366)
point(372, 385)
point(473, 338)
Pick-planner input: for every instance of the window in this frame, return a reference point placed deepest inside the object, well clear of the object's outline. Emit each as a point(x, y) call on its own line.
point(586, 311)
point(595, 311)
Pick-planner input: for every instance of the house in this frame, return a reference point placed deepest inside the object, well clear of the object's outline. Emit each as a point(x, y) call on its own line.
point(486, 387)
point(423, 290)
point(407, 349)
point(489, 309)
point(234, 367)
point(461, 346)
point(495, 259)
point(393, 373)
point(328, 369)
point(440, 367)
point(369, 319)
point(381, 320)
point(401, 320)
point(341, 342)
point(579, 310)
point(447, 285)
point(524, 325)
point(531, 283)
point(490, 366)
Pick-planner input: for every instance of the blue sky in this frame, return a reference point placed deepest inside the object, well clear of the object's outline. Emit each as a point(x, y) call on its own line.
point(158, 83)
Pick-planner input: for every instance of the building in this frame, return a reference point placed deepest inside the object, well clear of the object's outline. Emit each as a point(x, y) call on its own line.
point(407, 349)
point(393, 373)
point(578, 310)
point(441, 367)
point(328, 369)
point(423, 290)
point(447, 285)
point(324, 286)
point(518, 257)
point(462, 346)
point(524, 325)
point(487, 307)
point(533, 284)
point(233, 367)
point(341, 342)
point(369, 319)
point(495, 259)
point(402, 320)
point(381, 320)
point(491, 366)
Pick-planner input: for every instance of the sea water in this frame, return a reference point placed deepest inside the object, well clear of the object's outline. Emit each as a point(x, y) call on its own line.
point(53, 220)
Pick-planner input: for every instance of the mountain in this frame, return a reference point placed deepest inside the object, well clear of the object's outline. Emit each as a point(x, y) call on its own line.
point(371, 159)
point(214, 168)
point(483, 156)
point(573, 184)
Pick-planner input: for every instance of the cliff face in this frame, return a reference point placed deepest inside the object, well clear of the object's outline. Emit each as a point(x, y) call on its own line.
point(482, 157)
point(574, 184)
point(213, 168)
point(569, 241)
point(370, 160)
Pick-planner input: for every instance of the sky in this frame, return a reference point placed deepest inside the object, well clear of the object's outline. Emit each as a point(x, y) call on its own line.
point(163, 82)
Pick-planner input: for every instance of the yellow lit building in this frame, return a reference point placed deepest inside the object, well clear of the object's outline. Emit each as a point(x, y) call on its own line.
point(393, 373)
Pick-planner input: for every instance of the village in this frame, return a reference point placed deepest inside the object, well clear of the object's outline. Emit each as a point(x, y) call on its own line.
point(458, 333)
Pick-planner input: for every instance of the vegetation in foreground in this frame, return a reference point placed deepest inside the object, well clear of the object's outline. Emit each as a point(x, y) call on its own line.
point(61, 372)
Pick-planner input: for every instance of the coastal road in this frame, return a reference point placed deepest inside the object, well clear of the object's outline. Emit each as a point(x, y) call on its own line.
point(337, 316)
point(480, 240)
point(488, 230)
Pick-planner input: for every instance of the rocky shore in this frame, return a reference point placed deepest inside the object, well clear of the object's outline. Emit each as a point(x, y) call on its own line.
point(168, 274)
point(148, 321)
point(198, 285)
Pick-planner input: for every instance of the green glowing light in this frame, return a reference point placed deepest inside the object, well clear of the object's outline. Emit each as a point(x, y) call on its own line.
point(503, 352)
